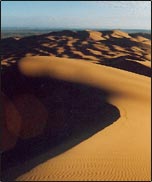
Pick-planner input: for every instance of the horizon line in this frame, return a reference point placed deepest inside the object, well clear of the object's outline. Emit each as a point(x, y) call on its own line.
point(74, 28)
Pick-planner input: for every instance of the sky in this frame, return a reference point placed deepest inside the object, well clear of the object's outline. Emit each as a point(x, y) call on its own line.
point(76, 14)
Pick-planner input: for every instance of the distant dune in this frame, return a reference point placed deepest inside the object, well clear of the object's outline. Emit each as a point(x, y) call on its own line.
point(76, 106)
point(113, 48)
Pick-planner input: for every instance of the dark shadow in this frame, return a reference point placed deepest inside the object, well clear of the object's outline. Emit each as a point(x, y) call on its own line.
point(75, 113)
point(124, 63)
point(145, 35)
point(125, 43)
point(13, 50)
point(17, 49)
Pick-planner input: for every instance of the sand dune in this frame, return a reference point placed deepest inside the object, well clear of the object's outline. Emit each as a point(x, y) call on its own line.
point(119, 152)
point(78, 120)
point(101, 47)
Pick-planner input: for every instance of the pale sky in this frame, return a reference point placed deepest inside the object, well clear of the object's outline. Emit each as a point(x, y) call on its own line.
point(76, 14)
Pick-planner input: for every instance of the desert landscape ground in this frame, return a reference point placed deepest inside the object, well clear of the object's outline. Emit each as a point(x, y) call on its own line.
point(76, 106)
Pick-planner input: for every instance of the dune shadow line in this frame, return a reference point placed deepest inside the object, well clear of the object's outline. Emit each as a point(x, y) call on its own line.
point(75, 113)
point(49, 44)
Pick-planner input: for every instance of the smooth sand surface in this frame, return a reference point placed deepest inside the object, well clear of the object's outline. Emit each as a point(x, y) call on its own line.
point(119, 152)
point(109, 143)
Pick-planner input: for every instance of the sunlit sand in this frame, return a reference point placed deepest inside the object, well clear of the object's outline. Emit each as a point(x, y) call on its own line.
point(111, 141)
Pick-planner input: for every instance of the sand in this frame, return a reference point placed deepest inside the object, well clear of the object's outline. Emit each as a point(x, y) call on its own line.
point(117, 152)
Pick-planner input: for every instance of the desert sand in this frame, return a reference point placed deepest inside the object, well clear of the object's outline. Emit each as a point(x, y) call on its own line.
point(74, 119)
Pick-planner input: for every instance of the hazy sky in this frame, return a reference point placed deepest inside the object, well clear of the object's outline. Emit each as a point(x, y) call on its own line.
point(77, 14)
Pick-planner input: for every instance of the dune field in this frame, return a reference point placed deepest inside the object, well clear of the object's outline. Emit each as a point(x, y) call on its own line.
point(76, 107)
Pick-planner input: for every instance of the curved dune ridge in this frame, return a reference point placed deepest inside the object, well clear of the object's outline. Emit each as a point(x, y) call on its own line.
point(100, 47)
point(76, 106)
point(118, 152)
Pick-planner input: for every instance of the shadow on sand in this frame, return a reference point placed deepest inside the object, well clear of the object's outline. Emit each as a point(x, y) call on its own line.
point(75, 113)
point(42, 45)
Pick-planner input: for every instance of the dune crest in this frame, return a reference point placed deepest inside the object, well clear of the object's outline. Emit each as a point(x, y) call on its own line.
point(100, 47)
point(79, 101)
point(118, 152)
point(96, 36)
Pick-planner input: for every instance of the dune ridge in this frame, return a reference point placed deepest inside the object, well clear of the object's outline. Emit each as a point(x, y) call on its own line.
point(111, 141)
point(106, 48)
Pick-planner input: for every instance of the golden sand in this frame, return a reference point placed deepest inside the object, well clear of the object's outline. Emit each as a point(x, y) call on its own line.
point(119, 152)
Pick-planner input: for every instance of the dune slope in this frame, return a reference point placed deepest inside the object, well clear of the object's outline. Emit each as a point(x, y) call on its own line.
point(119, 152)
point(112, 48)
